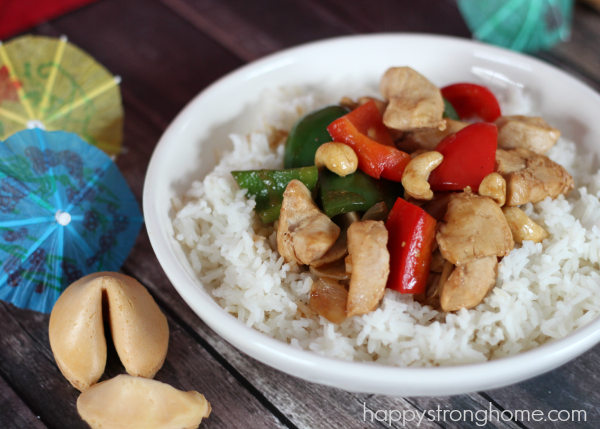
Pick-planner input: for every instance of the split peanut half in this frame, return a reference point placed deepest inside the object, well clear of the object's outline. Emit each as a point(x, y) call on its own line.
point(126, 402)
point(139, 330)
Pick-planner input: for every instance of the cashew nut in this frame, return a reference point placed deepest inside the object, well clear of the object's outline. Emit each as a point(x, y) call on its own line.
point(494, 186)
point(133, 402)
point(522, 227)
point(337, 157)
point(417, 172)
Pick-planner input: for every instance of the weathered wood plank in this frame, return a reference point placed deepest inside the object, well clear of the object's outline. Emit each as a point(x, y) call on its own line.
point(31, 370)
point(572, 387)
point(163, 60)
point(437, 16)
point(188, 367)
point(14, 413)
point(581, 52)
point(253, 29)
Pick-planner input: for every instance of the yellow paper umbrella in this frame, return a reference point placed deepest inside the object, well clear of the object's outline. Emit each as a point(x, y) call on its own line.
point(51, 84)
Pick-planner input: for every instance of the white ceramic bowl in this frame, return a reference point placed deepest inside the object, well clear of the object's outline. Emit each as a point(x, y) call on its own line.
point(186, 152)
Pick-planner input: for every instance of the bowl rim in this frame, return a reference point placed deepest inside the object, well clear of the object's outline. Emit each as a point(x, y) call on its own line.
point(366, 376)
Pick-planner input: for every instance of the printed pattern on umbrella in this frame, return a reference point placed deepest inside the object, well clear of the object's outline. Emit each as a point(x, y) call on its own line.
point(65, 211)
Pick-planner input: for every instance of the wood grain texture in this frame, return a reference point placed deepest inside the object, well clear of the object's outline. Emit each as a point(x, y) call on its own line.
point(581, 53)
point(573, 386)
point(188, 367)
point(14, 413)
point(29, 368)
point(437, 17)
point(253, 29)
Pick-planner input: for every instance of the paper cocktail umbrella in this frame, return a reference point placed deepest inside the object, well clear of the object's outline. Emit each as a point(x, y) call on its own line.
point(65, 211)
point(51, 84)
point(522, 25)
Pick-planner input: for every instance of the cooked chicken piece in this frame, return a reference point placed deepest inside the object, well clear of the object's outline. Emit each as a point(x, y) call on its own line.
point(522, 227)
point(348, 263)
point(338, 251)
point(469, 284)
point(429, 139)
point(340, 248)
point(367, 245)
point(508, 161)
point(538, 178)
point(527, 132)
point(304, 234)
point(328, 299)
point(474, 227)
point(414, 102)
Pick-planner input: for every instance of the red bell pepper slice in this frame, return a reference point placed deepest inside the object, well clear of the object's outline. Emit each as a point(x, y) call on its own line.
point(363, 130)
point(470, 100)
point(469, 156)
point(411, 232)
point(368, 121)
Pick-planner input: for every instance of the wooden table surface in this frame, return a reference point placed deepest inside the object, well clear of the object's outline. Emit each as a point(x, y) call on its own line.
point(167, 51)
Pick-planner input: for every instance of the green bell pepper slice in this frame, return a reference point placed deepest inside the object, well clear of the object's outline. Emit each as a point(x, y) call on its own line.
point(355, 192)
point(449, 111)
point(308, 134)
point(268, 186)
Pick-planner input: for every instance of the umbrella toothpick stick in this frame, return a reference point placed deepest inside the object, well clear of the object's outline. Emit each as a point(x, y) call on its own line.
point(11, 71)
point(85, 99)
point(60, 49)
point(13, 117)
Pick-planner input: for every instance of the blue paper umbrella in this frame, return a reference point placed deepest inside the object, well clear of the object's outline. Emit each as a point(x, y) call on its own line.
point(65, 212)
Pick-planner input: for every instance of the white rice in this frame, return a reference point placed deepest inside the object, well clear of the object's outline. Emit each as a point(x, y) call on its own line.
point(544, 291)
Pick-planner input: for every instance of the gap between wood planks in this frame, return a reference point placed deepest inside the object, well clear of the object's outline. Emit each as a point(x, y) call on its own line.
point(14, 411)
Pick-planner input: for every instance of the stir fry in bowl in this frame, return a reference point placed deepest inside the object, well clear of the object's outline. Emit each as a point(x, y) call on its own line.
point(418, 192)
point(400, 221)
